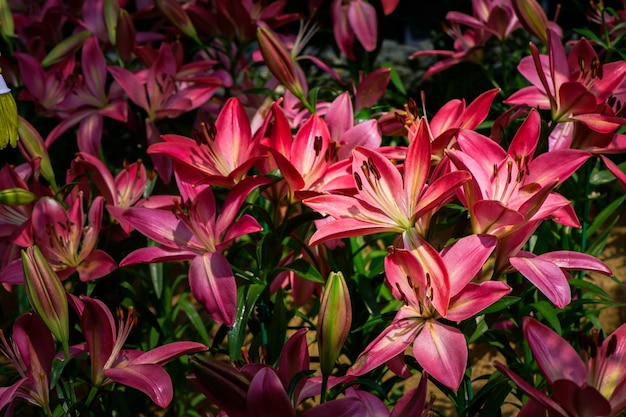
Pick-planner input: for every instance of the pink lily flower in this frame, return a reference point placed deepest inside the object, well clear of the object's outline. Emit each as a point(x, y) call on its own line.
point(193, 229)
point(509, 188)
point(67, 243)
point(47, 88)
point(120, 192)
point(546, 271)
point(386, 201)
point(356, 18)
point(167, 89)
point(306, 161)
point(134, 368)
point(439, 348)
point(344, 134)
point(218, 155)
point(495, 16)
point(88, 103)
point(574, 87)
point(594, 385)
point(467, 47)
point(261, 391)
point(31, 352)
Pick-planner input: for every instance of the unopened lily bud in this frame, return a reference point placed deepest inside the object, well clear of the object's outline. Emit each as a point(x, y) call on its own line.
point(32, 146)
point(334, 321)
point(65, 48)
point(16, 196)
point(8, 116)
point(7, 26)
point(125, 35)
point(178, 17)
point(46, 293)
point(278, 60)
point(532, 17)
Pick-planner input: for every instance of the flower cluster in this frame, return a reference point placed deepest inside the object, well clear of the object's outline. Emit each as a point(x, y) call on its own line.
point(295, 233)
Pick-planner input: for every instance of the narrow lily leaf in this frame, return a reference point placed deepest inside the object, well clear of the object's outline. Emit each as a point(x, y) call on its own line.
point(195, 319)
point(247, 297)
point(304, 269)
point(65, 48)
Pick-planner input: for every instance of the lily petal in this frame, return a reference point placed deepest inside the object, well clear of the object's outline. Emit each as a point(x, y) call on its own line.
point(213, 284)
point(150, 379)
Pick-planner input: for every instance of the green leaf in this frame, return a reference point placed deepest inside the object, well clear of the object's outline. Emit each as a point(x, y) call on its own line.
point(604, 215)
point(589, 287)
point(305, 270)
point(394, 77)
point(548, 311)
point(156, 274)
point(599, 177)
point(277, 328)
point(479, 328)
point(501, 304)
point(247, 297)
point(195, 319)
point(313, 96)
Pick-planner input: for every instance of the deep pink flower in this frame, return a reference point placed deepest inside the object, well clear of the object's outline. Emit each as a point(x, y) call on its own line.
point(194, 229)
point(134, 368)
point(438, 347)
point(592, 386)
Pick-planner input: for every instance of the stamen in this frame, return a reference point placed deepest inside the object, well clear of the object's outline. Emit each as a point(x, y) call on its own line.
point(358, 181)
point(373, 168)
point(317, 145)
point(611, 346)
point(509, 167)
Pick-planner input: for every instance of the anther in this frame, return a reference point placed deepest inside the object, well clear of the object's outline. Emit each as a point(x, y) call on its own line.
point(358, 181)
point(611, 346)
point(373, 168)
point(317, 145)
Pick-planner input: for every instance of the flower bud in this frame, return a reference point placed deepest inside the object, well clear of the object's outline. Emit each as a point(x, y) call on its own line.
point(32, 146)
point(46, 293)
point(125, 35)
point(178, 17)
point(65, 48)
point(16, 196)
point(7, 26)
point(8, 116)
point(334, 321)
point(532, 17)
point(279, 61)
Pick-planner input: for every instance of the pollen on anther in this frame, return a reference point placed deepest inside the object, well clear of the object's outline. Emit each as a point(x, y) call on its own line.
point(358, 181)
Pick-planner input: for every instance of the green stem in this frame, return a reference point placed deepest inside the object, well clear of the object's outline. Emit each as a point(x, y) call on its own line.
point(324, 388)
point(91, 396)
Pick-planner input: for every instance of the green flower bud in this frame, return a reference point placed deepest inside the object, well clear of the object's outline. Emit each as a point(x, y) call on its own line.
point(16, 196)
point(334, 321)
point(46, 293)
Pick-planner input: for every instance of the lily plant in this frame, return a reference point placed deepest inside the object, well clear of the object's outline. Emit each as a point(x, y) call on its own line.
point(591, 385)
